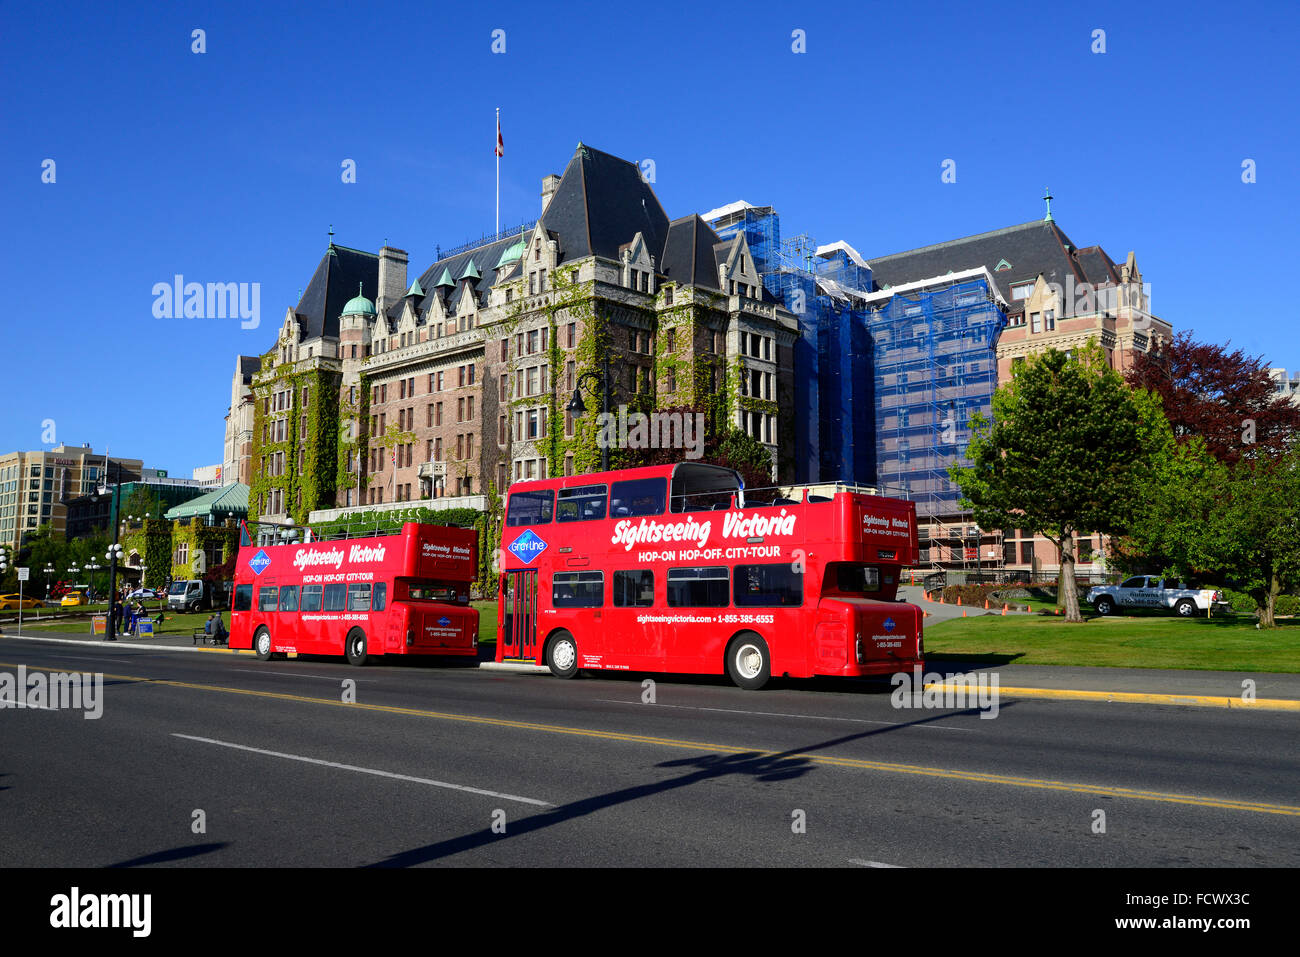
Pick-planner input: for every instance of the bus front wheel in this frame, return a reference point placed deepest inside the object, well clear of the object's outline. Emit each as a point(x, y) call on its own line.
point(357, 648)
point(562, 655)
point(749, 664)
point(262, 644)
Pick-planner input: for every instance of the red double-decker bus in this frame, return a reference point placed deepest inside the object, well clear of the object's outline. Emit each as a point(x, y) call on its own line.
point(678, 568)
point(403, 594)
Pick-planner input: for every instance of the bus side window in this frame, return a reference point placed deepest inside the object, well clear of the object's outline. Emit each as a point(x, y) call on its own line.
point(359, 597)
point(530, 508)
point(267, 598)
point(634, 589)
point(243, 598)
point(381, 596)
point(288, 597)
point(638, 497)
point(311, 596)
point(335, 597)
point(767, 586)
point(578, 590)
point(697, 587)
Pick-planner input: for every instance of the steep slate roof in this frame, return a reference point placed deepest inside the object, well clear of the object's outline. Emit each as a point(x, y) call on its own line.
point(1096, 265)
point(600, 204)
point(332, 285)
point(688, 253)
point(485, 259)
point(1030, 248)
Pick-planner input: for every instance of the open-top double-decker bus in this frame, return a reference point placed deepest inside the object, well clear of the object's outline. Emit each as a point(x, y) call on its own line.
point(677, 568)
point(403, 594)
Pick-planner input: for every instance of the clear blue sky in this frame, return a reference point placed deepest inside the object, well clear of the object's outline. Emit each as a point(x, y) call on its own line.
point(225, 166)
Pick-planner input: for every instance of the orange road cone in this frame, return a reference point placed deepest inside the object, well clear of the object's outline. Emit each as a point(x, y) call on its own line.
point(986, 604)
point(1004, 609)
point(963, 612)
point(941, 601)
point(959, 599)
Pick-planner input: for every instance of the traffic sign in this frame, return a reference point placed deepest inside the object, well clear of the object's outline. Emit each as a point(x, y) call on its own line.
point(22, 574)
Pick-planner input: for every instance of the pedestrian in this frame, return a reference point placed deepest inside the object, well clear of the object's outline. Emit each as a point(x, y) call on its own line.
point(218, 630)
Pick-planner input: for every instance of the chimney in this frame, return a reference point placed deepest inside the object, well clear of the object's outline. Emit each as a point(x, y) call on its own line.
point(549, 185)
point(392, 277)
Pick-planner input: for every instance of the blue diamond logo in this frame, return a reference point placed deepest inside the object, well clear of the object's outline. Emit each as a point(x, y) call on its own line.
point(890, 624)
point(259, 562)
point(527, 547)
point(444, 621)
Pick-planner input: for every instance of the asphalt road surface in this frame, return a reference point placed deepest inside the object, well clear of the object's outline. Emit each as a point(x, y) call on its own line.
point(224, 760)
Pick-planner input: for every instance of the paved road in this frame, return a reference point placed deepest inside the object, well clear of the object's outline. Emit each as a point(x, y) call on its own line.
point(429, 759)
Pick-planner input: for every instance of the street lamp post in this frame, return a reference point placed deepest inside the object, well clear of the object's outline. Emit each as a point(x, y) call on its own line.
point(114, 550)
point(577, 407)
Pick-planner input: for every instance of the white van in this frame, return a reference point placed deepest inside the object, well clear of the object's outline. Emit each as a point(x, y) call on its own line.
point(189, 595)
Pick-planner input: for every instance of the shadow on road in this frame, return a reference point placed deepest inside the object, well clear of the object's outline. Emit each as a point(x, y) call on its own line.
point(175, 854)
point(765, 767)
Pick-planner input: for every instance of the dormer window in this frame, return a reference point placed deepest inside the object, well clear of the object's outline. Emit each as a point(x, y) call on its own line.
point(1022, 291)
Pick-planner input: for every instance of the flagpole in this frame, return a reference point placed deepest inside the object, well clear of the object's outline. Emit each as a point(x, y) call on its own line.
point(498, 155)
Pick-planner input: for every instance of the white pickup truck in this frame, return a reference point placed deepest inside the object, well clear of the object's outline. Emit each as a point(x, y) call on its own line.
point(1148, 591)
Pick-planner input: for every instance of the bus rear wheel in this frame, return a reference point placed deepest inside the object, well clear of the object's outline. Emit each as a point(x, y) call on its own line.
point(356, 647)
point(562, 655)
point(262, 644)
point(749, 663)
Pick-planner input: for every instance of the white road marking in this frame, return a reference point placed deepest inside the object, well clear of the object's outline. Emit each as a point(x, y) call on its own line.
point(876, 864)
point(777, 714)
point(374, 771)
point(296, 674)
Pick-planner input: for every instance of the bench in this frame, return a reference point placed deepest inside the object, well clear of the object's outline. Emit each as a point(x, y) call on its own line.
point(198, 633)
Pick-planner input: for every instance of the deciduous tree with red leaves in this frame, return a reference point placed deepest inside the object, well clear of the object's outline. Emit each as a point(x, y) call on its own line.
point(1226, 398)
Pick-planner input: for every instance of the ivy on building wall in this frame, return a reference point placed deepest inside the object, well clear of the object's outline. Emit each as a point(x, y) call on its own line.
point(313, 485)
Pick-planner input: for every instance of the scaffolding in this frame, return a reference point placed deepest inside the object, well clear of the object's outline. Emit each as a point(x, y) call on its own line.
point(934, 367)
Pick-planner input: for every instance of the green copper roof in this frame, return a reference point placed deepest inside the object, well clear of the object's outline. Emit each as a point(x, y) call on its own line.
point(223, 502)
point(445, 279)
point(415, 290)
point(471, 272)
point(359, 305)
point(512, 254)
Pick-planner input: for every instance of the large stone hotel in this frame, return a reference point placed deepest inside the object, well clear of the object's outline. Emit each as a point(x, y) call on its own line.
point(383, 387)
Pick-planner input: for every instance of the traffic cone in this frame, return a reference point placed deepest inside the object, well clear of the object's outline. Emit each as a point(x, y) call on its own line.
point(986, 604)
point(1004, 609)
point(941, 601)
point(959, 599)
point(963, 612)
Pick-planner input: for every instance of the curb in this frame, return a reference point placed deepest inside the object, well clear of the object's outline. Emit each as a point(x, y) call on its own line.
point(99, 643)
point(514, 668)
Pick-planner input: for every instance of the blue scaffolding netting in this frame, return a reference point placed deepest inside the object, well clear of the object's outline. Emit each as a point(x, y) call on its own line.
point(935, 366)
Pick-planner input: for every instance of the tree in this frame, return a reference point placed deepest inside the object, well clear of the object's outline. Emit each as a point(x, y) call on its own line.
point(1238, 520)
point(1066, 452)
point(1226, 398)
point(728, 447)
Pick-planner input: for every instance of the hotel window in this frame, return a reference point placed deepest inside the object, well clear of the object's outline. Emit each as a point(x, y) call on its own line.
point(469, 411)
point(1022, 291)
point(437, 414)
point(1049, 319)
point(501, 431)
point(532, 284)
point(505, 349)
point(1035, 322)
point(573, 334)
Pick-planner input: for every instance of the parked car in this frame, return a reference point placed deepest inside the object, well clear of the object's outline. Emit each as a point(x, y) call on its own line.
point(1149, 591)
point(144, 593)
point(14, 601)
point(73, 598)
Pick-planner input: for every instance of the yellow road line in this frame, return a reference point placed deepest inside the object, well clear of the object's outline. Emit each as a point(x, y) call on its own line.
point(758, 753)
point(1134, 697)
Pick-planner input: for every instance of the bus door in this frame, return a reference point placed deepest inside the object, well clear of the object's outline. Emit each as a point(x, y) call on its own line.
point(519, 607)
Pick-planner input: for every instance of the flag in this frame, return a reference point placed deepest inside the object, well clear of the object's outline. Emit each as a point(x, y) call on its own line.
point(501, 144)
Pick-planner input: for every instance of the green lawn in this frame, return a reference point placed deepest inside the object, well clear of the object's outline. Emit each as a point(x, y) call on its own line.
point(1217, 644)
point(173, 624)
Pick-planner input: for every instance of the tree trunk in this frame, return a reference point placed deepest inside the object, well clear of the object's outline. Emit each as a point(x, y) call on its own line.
point(1268, 606)
point(1066, 591)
